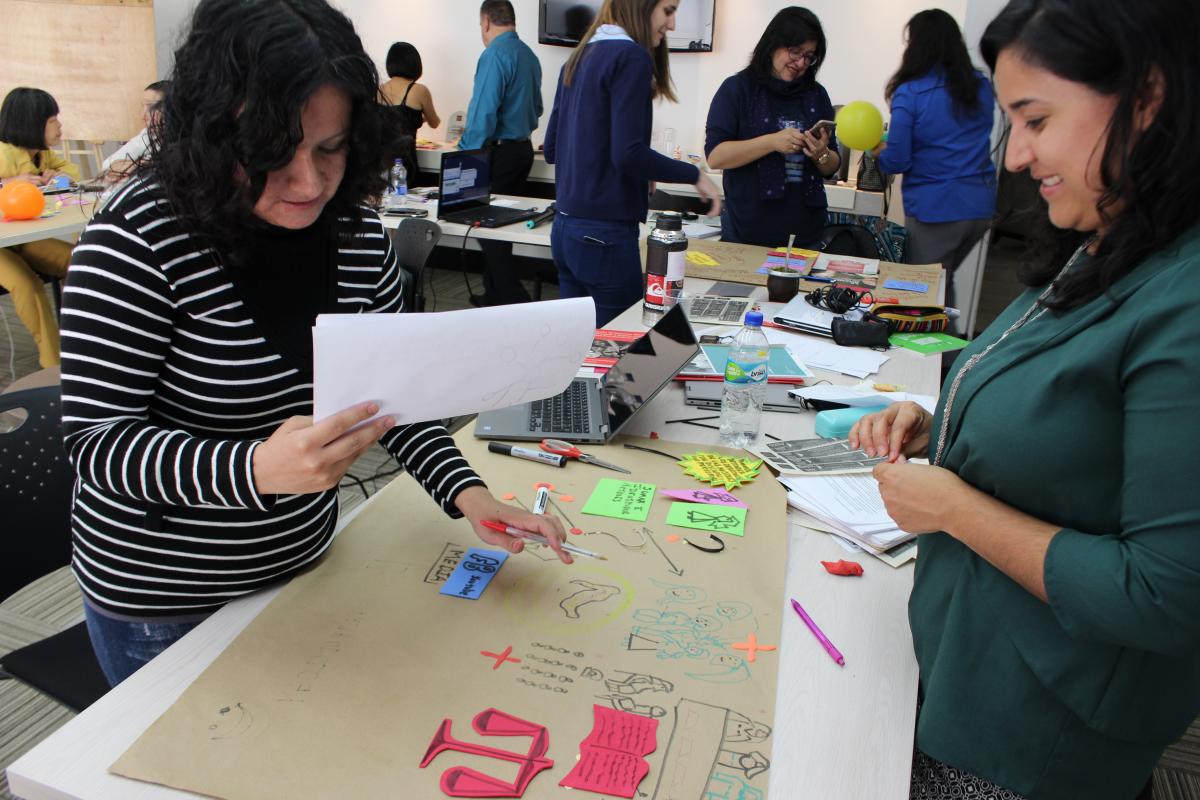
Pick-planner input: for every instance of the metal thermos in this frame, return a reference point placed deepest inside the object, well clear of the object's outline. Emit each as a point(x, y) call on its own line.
point(666, 257)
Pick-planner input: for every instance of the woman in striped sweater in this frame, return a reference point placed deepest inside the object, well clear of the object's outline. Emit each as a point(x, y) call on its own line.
point(187, 353)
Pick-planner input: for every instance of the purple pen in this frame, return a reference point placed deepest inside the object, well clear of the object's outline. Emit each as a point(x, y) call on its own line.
point(817, 632)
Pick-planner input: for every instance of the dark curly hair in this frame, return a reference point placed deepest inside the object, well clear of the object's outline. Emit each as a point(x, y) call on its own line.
point(1122, 50)
point(935, 42)
point(241, 79)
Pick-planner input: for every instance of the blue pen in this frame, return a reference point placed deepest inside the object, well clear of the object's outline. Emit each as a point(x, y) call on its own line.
point(817, 279)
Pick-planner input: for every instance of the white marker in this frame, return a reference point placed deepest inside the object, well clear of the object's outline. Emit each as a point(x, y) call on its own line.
point(540, 500)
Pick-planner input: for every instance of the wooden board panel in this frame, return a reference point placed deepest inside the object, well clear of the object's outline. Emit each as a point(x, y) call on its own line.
point(94, 56)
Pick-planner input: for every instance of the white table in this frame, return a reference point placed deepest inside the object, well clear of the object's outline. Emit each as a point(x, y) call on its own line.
point(842, 196)
point(530, 242)
point(70, 220)
point(840, 732)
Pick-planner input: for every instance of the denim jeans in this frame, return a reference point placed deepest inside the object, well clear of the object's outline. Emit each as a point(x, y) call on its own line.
point(122, 648)
point(598, 259)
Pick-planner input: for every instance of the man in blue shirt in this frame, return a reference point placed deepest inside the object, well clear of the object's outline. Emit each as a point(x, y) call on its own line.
point(505, 107)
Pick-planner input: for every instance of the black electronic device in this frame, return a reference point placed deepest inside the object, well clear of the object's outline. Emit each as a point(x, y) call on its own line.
point(465, 192)
point(564, 22)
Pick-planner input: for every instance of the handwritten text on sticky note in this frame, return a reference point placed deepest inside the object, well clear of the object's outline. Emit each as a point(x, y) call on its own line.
point(474, 573)
point(621, 499)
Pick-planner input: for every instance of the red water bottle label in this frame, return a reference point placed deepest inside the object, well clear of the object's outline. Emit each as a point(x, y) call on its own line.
point(655, 289)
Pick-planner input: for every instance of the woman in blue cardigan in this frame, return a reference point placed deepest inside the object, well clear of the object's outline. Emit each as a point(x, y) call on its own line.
point(939, 139)
point(1053, 609)
point(598, 138)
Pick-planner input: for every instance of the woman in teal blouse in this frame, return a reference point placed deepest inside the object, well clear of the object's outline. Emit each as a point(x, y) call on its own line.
point(1054, 610)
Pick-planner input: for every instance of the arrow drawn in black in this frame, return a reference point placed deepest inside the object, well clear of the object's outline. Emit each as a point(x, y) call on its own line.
point(674, 569)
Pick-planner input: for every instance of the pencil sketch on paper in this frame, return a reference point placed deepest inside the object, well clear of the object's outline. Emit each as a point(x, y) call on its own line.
point(622, 689)
point(697, 764)
point(588, 593)
point(232, 721)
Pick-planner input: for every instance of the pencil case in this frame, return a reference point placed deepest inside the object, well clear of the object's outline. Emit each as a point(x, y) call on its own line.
point(911, 319)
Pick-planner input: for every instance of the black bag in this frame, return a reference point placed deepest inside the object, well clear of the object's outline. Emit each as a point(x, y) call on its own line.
point(870, 177)
point(849, 240)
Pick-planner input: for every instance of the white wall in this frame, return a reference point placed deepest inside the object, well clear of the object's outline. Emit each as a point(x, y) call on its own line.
point(864, 47)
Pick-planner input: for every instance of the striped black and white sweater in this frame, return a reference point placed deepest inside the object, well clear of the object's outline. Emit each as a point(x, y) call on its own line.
point(169, 386)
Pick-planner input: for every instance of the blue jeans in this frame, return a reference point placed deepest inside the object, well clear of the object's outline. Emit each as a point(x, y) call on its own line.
point(122, 648)
point(598, 259)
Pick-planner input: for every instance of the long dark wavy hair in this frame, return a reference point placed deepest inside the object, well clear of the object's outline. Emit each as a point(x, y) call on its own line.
point(1125, 51)
point(241, 79)
point(935, 43)
point(791, 27)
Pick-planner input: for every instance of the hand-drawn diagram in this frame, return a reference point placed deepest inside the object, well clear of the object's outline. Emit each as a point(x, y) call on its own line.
point(589, 593)
point(233, 721)
point(687, 625)
point(639, 547)
point(621, 691)
point(649, 536)
point(696, 764)
point(713, 519)
point(468, 782)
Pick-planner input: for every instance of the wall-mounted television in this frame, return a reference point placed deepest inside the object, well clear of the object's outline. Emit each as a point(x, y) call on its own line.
point(563, 22)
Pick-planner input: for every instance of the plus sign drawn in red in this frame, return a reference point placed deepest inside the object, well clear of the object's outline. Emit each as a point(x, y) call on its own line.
point(751, 646)
point(503, 656)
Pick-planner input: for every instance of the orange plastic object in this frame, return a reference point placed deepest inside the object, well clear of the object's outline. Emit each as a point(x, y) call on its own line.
point(509, 496)
point(852, 568)
point(567, 498)
point(548, 486)
point(577, 531)
point(21, 200)
point(673, 538)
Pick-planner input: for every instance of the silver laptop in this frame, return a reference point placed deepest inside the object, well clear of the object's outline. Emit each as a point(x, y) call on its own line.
point(801, 315)
point(594, 409)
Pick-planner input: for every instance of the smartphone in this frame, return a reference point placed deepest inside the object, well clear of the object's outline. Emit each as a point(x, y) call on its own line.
point(827, 124)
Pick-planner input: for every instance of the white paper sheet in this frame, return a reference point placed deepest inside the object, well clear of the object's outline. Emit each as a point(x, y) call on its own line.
point(862, 396)
point(811, 351)
point(420, 367)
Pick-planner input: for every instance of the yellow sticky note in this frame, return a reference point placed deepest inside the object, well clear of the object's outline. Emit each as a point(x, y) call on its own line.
point(702, 259)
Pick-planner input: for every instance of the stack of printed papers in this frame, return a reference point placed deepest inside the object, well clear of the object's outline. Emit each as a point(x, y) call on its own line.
point(851, 507)
point(858, 362)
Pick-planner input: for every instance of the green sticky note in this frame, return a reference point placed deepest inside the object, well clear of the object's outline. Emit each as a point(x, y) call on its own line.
point(621, 499)
point(706, 517)
point(927, 343)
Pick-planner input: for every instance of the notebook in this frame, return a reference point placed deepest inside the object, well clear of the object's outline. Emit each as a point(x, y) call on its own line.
point(596, 408)
point(465, 192)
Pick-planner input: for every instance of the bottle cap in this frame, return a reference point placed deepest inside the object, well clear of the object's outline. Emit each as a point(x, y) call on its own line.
point(754, 319)
point(668, 222)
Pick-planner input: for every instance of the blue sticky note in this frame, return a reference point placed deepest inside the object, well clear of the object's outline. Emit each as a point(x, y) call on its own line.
point(474, 573)
point(906, 286)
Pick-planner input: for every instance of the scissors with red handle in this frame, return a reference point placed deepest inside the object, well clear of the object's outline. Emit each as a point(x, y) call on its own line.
point(559, 447)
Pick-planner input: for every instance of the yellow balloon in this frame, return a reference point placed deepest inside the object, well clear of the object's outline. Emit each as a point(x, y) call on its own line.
point(859, 125)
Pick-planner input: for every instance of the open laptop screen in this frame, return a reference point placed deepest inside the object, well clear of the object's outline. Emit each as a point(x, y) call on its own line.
point(466, 179)
point(648, 365)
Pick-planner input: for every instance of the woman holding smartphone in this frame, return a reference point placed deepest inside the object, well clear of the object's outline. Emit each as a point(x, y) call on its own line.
point(939, 139)
point(599, 139)
point(763, 132)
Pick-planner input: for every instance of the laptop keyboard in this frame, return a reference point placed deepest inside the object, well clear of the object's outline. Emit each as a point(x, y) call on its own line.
point(563, 413)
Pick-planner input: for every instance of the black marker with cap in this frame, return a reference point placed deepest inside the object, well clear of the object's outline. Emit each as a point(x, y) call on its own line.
point(528, 453)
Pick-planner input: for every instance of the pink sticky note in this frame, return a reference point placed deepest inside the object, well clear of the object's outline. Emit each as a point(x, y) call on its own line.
point(716, 497)
point(610, 758)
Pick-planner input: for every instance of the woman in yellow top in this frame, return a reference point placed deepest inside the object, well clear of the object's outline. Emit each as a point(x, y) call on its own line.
point(29, 128)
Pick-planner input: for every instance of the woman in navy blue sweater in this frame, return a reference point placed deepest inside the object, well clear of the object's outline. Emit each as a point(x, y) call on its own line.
point(939, 139)
point(599, 139)
point(760, 131)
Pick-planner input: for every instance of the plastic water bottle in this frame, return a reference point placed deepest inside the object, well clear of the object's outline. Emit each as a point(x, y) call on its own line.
point(666, 257)
point(745, 384)
point(398, 189)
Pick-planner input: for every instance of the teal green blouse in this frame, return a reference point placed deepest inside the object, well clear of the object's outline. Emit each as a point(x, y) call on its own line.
point(1088, 419)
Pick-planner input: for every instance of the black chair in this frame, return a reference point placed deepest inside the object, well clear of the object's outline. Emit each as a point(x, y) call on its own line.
point(36, 482)
point(414, 240)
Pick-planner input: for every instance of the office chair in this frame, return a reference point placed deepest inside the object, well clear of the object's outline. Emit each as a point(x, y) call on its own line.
point(36, 484)
point(414, 240)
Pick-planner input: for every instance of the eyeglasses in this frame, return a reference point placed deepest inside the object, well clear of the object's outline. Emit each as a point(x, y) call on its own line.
point(796, 54)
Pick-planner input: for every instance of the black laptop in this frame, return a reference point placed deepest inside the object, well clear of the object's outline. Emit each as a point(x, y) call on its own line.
point(595, 408)
point(465, 192)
